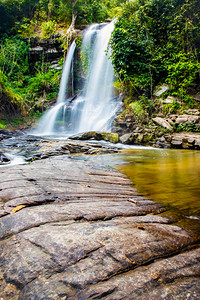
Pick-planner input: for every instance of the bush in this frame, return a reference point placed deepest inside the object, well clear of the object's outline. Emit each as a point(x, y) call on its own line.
point(10, 101)
point(14, 58)
point(48, 29)
point(182, 74)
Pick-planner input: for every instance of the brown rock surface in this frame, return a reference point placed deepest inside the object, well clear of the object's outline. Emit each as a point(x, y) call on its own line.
point(85, 233)
point(185, 140)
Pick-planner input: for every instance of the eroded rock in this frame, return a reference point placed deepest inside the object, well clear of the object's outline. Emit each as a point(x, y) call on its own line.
point(83, 232)
point(186, 140)
point(189, 119)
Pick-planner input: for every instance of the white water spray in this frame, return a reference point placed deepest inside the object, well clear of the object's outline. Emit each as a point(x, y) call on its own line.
point(96, 107)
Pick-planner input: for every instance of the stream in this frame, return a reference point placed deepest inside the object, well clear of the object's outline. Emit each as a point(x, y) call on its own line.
point(168, 176)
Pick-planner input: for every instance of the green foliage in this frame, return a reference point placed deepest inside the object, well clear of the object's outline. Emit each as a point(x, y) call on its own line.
point(13, 11)
point(9, 98)
point(182, 74)
point(48, 29)
point(18, 87)
point(24, 15)
point(138, 112)
point(115, 12)
point(131, 56)
point(156, 41)
point(27, 28)
point(2, 126)
point(141, 109)
point(137, 108)
point(45, 81)
point(7, 122)
point(14, 58)
point(187, 127)
point(147, 104)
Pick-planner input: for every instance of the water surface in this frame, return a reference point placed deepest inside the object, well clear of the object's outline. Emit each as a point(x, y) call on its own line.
point(171, 177)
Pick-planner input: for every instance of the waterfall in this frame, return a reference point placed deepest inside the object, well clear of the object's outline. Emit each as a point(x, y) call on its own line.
point(68, 65)
point(95, 107)
point(48, 122)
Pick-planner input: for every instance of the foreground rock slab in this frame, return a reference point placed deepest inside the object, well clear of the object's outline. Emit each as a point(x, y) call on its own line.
point(71, 229)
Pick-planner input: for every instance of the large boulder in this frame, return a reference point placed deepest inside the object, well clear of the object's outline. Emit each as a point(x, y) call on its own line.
point(97, 135)
point(162, 122)
point(126, 138)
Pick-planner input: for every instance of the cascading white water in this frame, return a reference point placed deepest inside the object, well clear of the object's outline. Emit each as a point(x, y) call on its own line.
point(95, 108)
point(47, 123)
point(99, 107)
point(65, 74)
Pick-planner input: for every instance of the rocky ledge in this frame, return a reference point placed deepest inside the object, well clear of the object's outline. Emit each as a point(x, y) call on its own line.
point(71, 229)
point(53, 148)
point(169, 131)
point(181, 140)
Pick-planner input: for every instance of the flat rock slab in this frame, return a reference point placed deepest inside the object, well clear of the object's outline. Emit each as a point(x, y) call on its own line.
point(70, 229)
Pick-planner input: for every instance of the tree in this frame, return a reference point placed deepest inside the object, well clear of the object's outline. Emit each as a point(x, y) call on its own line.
point(153, 35)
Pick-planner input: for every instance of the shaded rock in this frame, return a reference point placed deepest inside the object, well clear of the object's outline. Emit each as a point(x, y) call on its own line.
point(133, 138)
point(173, 118)
point(4, 159)
point(137, 138)
point(5, 134)
point(50, 49)
point(162, 122)
point(162, 142)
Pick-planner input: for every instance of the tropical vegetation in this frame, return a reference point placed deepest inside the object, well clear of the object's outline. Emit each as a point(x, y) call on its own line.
point(155, 42)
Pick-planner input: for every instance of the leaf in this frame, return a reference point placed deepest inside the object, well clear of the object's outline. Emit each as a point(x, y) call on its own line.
point(17, 208)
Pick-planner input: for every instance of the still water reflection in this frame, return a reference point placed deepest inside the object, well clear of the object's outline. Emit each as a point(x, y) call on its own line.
point(171, 177)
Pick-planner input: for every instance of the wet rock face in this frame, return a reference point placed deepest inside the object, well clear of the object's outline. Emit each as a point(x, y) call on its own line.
point(4, 159)
point(4, 134)
point(70, 229)
point(48, 49)
point(53, 148)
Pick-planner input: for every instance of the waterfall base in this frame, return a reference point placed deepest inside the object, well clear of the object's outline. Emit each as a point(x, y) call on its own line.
point(95, 107)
